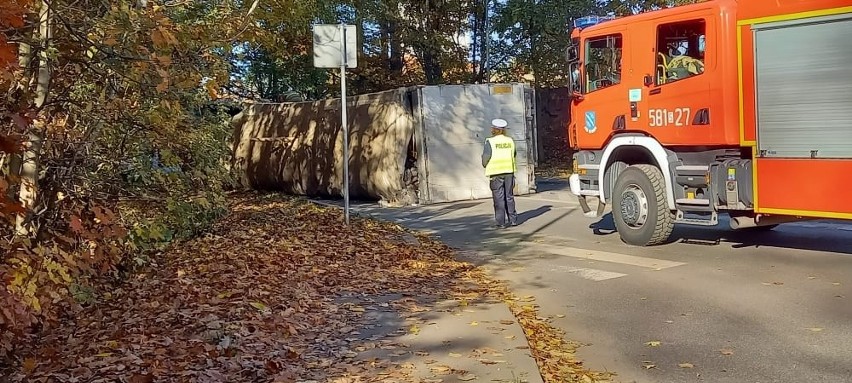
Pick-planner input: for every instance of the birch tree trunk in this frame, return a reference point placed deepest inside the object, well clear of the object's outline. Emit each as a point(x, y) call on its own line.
point(29, 171)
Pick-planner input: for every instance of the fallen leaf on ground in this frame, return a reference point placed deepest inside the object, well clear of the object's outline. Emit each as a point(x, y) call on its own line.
point(440, 369)
point(28, 365)
point(815, 329)
point(653, 343)
point(685, 365)
point(726, 352)
point(212, 321)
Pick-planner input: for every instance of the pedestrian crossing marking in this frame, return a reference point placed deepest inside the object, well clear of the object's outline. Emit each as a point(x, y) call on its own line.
point(651, 263)
point(590, 274)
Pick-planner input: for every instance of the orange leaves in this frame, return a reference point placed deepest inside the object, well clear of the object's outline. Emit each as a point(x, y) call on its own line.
point(163, 38)
point(8, 54)
point(277, 289)
point(11, 16)
point(12, 12)
point(40, 275)
point(211, 86)
point(163, 86)
point(28, 365)
point(76, 225)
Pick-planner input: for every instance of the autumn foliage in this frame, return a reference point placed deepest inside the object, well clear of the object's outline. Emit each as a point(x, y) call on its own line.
point(261, 298)
point(112, 145)
point(11, 16)
point(276, 291)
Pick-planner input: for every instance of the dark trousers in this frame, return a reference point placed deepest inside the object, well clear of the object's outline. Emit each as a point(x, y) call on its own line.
point(504, 199)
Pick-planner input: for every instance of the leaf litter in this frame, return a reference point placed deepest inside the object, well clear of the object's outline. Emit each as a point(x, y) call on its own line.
point(266, 295)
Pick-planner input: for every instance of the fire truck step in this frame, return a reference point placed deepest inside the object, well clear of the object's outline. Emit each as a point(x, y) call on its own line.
point(692, 168)
point(712, 220)
point(693, 201)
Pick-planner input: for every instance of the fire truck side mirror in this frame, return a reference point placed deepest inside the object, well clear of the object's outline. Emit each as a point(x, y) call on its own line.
point(575, 79)
point(573, 54)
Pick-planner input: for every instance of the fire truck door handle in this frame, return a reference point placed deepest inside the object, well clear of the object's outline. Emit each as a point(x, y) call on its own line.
point(655, 91)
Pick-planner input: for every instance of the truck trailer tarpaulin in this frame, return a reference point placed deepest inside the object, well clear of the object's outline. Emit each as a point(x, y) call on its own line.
point(409, 145)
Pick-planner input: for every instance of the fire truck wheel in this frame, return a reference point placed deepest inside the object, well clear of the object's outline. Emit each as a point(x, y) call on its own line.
point(639, 208)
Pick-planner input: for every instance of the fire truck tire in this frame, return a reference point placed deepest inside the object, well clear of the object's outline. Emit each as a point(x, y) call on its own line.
point(639, 207)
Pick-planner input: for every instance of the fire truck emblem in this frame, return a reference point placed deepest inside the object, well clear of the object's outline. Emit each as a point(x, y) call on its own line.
point(591, 122)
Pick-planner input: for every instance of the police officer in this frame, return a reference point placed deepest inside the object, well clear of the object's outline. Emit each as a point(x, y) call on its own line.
point(498, 159)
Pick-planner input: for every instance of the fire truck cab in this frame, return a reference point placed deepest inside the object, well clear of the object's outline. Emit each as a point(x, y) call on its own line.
point(724, 106)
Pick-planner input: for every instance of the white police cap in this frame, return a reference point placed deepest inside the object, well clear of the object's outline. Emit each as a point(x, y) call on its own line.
point(499, 123)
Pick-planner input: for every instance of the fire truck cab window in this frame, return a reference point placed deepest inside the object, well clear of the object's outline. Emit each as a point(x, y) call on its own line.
point(680, 50)
point(603, 62)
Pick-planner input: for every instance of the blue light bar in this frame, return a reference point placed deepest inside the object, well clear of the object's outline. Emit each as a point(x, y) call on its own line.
point(588, 21)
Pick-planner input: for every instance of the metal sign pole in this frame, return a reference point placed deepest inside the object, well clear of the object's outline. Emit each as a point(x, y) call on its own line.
point(343, 121)
point(331, 53)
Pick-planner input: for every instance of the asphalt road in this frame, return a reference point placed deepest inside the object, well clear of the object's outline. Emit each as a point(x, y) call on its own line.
point(714, 305)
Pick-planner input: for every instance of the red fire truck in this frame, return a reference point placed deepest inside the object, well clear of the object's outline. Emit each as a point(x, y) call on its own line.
point(724, 106)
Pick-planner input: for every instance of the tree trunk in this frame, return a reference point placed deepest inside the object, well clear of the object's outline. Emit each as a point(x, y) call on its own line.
point(396, 60)
point(432, 67)
point(28, 193)
point(484, 45)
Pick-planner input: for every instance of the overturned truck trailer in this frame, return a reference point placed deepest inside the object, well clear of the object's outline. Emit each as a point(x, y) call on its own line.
point(409, 145)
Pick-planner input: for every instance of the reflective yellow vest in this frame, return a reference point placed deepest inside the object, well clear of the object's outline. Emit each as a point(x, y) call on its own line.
point(502, 156)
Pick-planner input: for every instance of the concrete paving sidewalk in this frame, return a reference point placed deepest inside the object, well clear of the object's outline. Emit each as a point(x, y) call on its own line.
point(456, 342)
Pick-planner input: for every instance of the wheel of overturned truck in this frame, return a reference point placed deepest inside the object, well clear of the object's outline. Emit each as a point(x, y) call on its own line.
point(639, 207)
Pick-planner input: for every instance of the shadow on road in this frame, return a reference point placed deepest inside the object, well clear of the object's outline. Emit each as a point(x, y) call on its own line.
point(530, 214)
point(824, 236)
point(551, 184)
